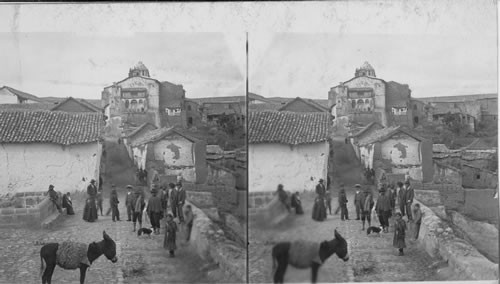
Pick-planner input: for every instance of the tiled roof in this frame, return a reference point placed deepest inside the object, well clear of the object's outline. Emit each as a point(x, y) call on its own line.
point(219, 99)
point(288, 127)
point(385, 133)
point(23, 95)
point(157, 134)
point(50, 127)
point(136, 130)
point(366, 128)
point(377, 135)
point(308, 102)
point(82, 102)
point(463, 98)
point(26, 107)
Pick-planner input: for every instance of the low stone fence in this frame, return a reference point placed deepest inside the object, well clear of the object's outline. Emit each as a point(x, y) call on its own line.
point(428, 197)
point(211, 245)
point(27, 217)
point(438, 239)
point(258, 200)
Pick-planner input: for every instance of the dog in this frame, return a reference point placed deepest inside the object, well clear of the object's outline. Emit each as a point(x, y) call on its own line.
point(374, 230)
point(144, 231)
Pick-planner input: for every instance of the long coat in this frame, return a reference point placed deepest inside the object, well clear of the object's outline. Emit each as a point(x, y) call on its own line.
point(399, 234)
point(319, 209)
point(358, 200)
point(402, 196)
point(320, 190)
point(181, 196)
point(170, 235)
point(410, 194)
point(173, 197)
point(383, 203)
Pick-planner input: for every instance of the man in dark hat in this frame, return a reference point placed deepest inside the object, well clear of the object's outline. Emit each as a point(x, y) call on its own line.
point(181, 199)
point(154, 209)
point(90, 210)
point(128, 203)
point(383, 208)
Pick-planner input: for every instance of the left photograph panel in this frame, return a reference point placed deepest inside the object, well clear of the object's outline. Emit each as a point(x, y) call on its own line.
point(123, 158)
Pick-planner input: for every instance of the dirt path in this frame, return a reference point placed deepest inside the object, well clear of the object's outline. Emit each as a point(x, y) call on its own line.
point(372, 258)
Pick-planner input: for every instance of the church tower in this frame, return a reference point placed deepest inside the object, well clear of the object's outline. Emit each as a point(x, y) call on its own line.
point(365, 70)
point(138, 70)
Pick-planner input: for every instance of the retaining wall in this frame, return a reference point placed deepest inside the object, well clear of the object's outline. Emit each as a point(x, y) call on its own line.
point(27, 217)
point(211, 245)
point(438, 240)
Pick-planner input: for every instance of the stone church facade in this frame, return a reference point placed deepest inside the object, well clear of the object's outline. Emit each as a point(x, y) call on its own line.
point(366, 98)
point(140, 99)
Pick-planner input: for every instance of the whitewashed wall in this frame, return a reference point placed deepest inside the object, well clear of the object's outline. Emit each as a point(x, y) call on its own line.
point(139, 153)
point(366, 153)
point(177, 154)
point(152, 86)
point(292, 166)
point(404, 153)
point(33, 167)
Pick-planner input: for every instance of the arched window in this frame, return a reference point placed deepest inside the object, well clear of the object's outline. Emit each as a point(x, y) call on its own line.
point(133, 104)
point(367, 101)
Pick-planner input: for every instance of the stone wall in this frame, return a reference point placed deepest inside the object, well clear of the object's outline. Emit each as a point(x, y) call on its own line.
point(439, 240)
point(212, 246)
point(27, 217)
point(258, 200)
point(428, 197)
point(480, 205)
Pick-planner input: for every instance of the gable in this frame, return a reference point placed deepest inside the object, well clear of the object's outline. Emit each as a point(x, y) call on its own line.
point(73, 106)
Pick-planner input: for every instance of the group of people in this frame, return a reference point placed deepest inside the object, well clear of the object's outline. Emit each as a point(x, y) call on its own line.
point(369, 175)
point(66, 201)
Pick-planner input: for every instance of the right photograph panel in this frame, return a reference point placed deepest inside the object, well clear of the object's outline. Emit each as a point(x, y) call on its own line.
point(372, 157)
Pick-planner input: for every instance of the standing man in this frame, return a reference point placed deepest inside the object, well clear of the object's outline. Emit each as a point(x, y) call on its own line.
point(367, 207)
point(409, 198)
point(402, 198)
point(173, 199)
point(154, 210)
point(344, 215)
point(358, 201)
point(181, 199)
point(129, 203)
point(164, 200)
point(383, 208)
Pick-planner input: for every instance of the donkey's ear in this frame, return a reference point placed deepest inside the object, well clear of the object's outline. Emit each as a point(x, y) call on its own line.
point(105, 236)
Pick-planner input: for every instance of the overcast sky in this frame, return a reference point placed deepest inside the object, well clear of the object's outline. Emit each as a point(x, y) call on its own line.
point(68, 64)
point(445, 47)
point(307, 65)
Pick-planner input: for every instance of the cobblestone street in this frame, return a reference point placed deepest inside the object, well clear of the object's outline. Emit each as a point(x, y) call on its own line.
point(20, 253)
point(372, 257)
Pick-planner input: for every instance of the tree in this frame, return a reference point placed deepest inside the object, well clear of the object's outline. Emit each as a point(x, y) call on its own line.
point(455, 124)
point(227, 123)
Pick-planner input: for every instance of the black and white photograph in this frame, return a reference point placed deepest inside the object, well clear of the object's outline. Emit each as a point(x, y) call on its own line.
point(373, 154)
point(249, 142)
point(123, 158)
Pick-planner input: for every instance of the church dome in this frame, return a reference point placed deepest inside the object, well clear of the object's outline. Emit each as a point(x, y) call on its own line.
point(365, 70)
point(139, 70)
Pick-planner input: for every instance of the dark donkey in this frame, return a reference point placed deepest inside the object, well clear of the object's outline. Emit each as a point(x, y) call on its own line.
point(305, 254)
point(73, 255)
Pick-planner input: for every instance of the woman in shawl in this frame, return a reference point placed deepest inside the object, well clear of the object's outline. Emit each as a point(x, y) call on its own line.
point(297, 203)
point(170, 235)
point(90, 210)
point(319, 208)
point(399, 233)
point(68, 204)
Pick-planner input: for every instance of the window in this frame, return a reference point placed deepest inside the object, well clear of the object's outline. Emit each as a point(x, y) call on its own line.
point(189, 107)
point(190, 121)
point(367, 101)
point(415, 119)
point(478, 176)
point(126, 103)
point(353, 103)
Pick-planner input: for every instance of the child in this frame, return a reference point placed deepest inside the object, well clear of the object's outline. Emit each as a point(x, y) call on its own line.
point(170, 231)
point(399, 233)
point(113, 203)
point(188, 216)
